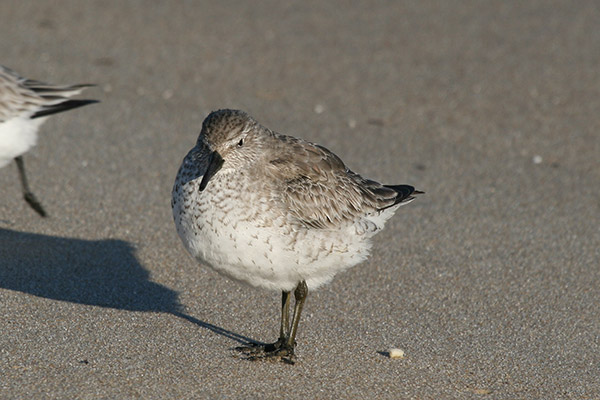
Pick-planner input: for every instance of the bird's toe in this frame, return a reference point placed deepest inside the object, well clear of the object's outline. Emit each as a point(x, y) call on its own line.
point(278, 351)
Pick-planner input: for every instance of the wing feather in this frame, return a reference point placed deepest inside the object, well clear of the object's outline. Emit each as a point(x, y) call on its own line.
point(317, 190)
point(24, 97)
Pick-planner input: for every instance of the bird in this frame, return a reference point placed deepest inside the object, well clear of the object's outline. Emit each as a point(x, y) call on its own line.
point(24, 106)
point(276, 212)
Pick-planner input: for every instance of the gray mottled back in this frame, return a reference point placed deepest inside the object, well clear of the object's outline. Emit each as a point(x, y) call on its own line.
point(305, 180)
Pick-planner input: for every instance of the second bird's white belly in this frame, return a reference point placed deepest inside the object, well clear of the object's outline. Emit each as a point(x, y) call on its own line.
point(17, 136)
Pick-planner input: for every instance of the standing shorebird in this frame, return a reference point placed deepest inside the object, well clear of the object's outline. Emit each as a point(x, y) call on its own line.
point(276, 212)
point(24, 105)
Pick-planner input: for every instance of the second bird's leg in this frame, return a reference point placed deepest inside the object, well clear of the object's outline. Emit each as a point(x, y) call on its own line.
point(284, 329)
point(27, 194)
point(283, 348)
point(300, 295)
point(287, 335)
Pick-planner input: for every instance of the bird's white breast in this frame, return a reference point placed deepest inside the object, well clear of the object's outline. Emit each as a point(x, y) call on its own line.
point(233, 227)
point(17, 136)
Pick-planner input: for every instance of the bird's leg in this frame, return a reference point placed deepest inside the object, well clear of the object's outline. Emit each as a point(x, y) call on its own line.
point(284, 330)
point(283, 349)
point(27, 194)
point(300, 295)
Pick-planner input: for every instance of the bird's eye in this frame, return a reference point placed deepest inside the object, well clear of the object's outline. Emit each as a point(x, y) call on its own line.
point(241, 143)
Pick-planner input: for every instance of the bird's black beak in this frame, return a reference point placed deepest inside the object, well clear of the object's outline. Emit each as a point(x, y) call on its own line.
point(215, 162)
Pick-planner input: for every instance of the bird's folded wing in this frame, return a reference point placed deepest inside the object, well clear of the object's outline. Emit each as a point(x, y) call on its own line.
point(318, 191)
point(20, 97)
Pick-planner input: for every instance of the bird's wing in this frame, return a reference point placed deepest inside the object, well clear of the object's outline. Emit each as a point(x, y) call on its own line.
point(26, 97)
point(317, 190)
point(15, 99)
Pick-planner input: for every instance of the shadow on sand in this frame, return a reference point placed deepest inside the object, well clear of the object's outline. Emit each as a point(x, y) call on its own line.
point(103, 273)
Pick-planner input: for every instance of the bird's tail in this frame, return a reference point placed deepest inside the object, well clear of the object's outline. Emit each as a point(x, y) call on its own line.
point(404, 193)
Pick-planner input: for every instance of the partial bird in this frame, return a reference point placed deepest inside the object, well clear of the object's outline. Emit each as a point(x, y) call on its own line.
point(24, 106)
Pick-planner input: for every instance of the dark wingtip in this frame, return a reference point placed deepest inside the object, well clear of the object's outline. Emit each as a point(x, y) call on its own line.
point(64, 106)
point(404, 193)
point(43, 88)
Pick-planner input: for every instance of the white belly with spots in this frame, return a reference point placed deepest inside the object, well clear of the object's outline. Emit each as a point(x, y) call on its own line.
point(242, 237)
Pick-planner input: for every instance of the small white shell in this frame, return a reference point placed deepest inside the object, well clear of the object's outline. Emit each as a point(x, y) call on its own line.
point(396, 353)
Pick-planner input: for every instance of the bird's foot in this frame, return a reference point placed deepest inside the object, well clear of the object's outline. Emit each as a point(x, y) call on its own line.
point(278, 351)
point(34, 203)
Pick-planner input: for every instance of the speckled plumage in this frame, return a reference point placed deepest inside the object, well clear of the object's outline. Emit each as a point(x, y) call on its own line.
point(275, 211)
point(280, 210)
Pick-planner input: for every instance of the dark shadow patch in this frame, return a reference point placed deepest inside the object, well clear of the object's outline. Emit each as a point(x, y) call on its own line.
point(376, 121)
point(218, 330)
point(46, 23)
point(104, 273)
point(386, 354)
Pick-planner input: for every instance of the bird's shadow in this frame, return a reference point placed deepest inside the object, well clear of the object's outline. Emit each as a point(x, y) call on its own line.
point(103, 273)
